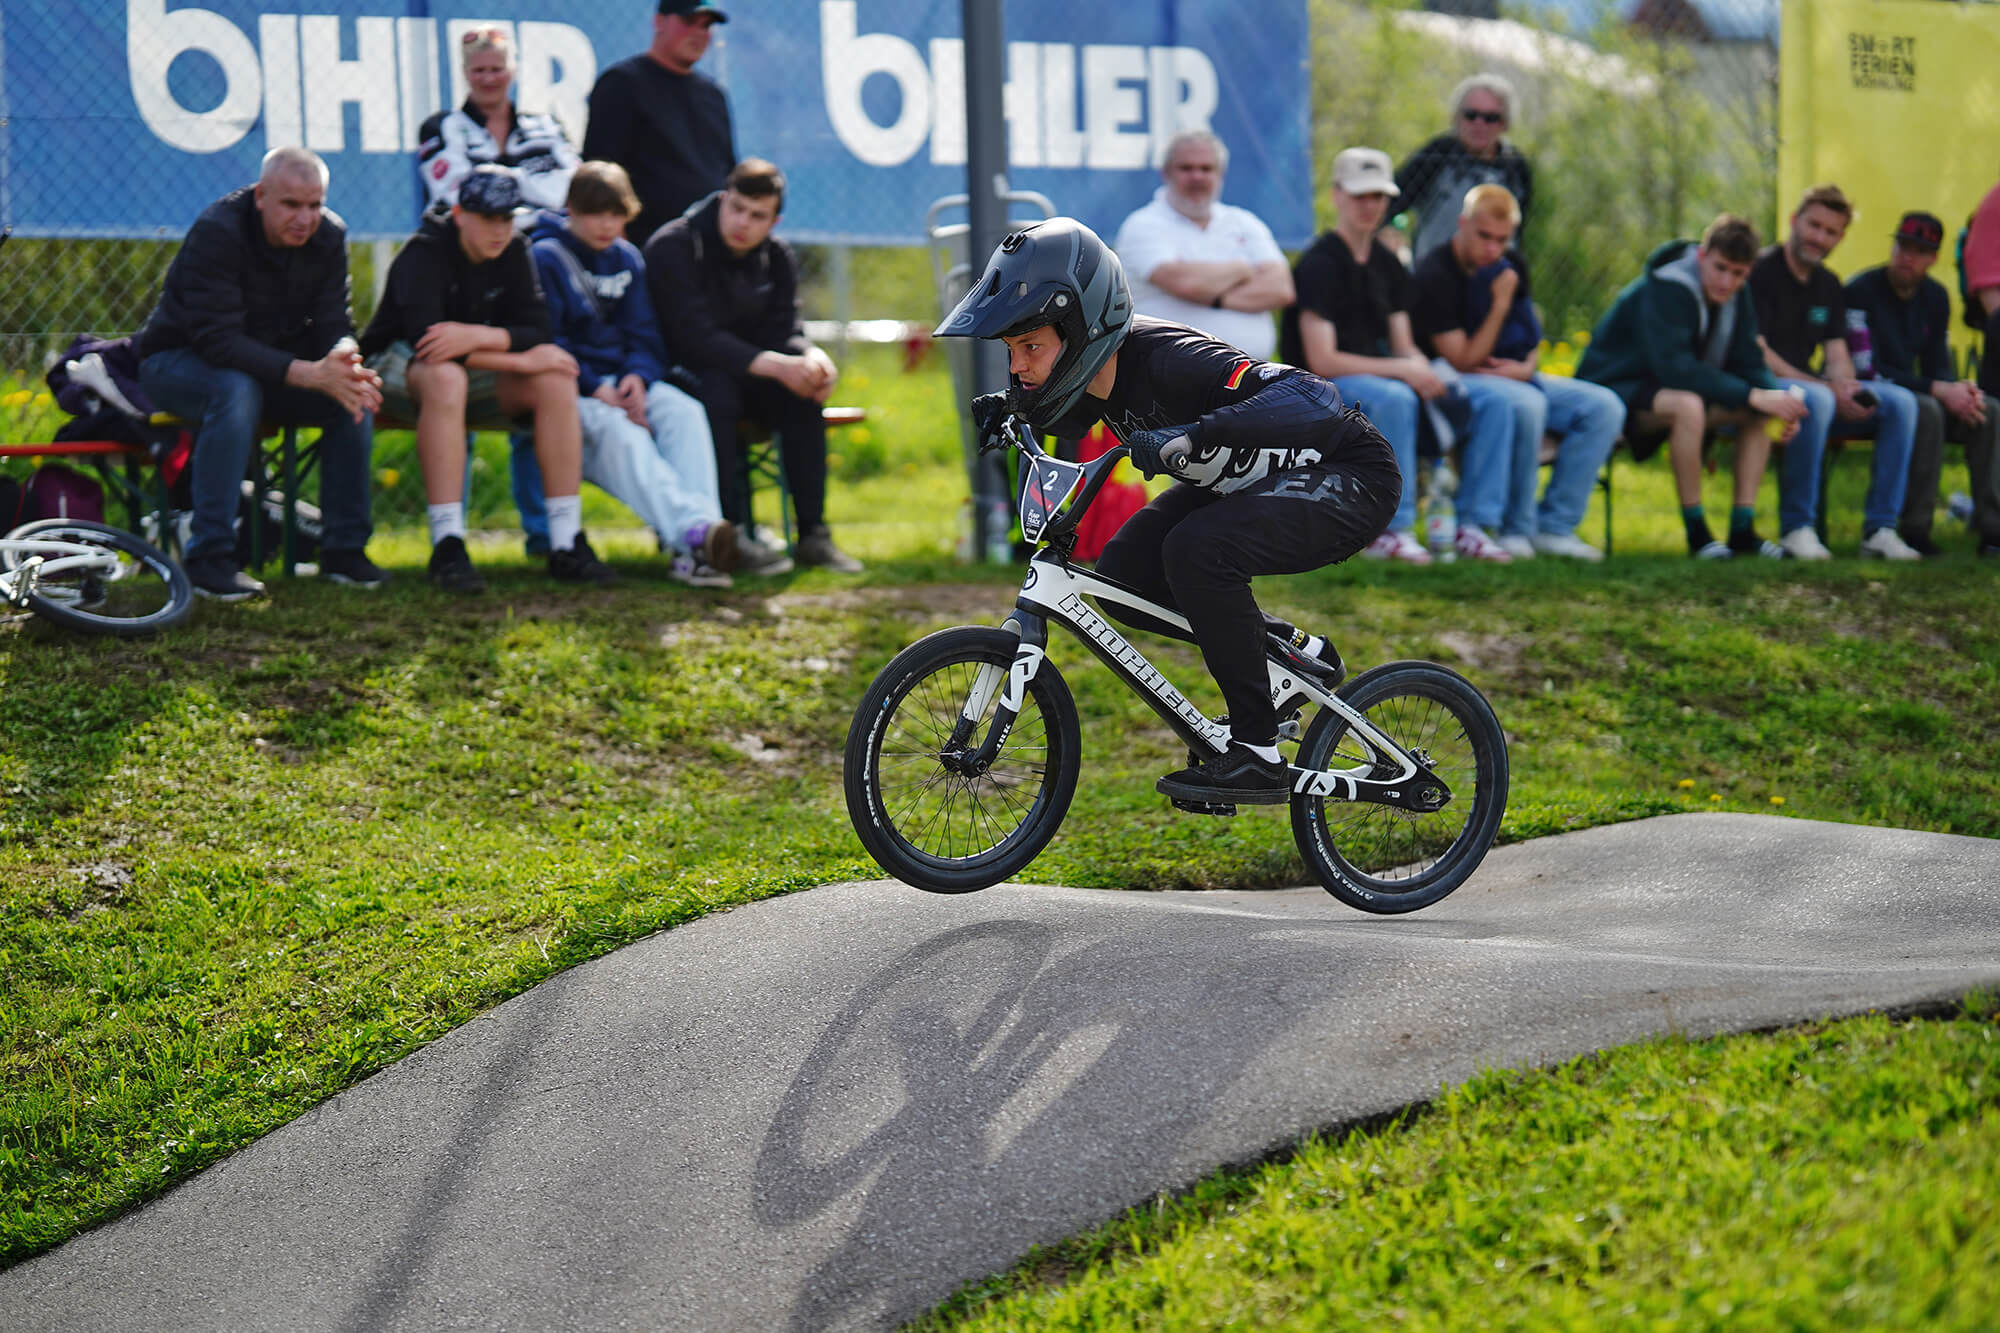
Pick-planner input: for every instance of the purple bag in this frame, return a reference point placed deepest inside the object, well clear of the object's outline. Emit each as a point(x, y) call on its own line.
point(55, 491)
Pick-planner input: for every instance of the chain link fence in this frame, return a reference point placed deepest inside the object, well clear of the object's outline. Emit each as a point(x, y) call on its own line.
point(1642, 119)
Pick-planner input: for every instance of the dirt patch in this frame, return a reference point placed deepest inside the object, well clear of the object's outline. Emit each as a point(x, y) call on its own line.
point(1496, 653)
point(969, 603)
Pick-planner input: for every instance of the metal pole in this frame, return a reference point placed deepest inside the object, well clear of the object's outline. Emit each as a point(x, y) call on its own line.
point(986, 186)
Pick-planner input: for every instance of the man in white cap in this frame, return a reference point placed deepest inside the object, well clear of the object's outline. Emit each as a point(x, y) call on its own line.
point(1352, 325)
point(1197, 261)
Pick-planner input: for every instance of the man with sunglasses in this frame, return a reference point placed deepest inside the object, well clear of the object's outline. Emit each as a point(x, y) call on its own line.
point(1435, 179)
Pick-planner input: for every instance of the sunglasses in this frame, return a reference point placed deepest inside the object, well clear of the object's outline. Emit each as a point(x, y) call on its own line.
point(1490, 117)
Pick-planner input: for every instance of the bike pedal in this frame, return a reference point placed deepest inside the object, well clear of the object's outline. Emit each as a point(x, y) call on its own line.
point(1201, 807)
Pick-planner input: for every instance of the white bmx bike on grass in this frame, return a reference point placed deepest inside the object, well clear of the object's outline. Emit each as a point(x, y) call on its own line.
point(963, 755)
point(91, 577)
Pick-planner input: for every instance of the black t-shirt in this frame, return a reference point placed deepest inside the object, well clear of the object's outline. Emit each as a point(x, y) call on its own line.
point(1796, 317)
point(671, 132)
point(1356, 298)
point(1441, 296)
point(1908, 337)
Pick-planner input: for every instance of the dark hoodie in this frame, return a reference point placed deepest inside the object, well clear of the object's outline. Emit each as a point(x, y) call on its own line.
point(431, 281)
point(599, 308)
point(1662, 331)
point(716, 309)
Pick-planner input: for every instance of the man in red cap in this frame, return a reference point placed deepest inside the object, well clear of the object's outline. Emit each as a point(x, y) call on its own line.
point(1906, 313)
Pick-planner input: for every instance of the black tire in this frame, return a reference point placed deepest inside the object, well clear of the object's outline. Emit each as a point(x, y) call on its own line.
point(140, 591)
point(1381, 858)
point(947, 832)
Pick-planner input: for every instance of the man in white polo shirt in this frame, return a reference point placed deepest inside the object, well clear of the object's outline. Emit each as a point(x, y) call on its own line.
point(1198, 261)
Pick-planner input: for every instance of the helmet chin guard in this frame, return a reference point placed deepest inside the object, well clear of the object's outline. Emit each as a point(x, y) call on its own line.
point(1055, 273)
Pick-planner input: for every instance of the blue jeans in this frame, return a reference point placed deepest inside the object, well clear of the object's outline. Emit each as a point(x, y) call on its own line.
point(1496, 465)
point(525, 474)
point(1587, 419)
point(226, 407)
point(1894, 430)
point(1798, 472)
point(1392, 406)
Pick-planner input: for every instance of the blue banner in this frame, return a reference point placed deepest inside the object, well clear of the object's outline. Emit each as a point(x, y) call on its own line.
point(125, 118)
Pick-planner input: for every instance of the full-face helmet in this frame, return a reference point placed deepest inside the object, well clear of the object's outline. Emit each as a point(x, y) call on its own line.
point(1060, 274)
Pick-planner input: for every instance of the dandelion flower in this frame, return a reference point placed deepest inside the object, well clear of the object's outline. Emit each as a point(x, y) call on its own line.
point(1715, 797)
point(388, 476)
point(1777, 800)
point(1687, 784)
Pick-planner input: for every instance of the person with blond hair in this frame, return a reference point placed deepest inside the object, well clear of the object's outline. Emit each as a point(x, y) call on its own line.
point(1473, 310)
point(489, 128)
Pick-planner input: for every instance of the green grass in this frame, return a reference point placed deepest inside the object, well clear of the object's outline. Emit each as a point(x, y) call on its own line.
point(246, 864)
point(1837, 1176)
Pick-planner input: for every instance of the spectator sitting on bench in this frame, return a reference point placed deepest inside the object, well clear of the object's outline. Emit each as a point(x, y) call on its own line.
point(252, 326)
point(726, 293)
point(1679, 345)
point(462, 335)
point(644, 440)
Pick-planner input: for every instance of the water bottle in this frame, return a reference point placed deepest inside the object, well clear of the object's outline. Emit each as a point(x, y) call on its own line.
point(1441, 520)
point(999, 534)
point(1960, 506)
point(1775, 426)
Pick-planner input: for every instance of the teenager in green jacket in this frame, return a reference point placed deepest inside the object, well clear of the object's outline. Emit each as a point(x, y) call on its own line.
point(1679, 345)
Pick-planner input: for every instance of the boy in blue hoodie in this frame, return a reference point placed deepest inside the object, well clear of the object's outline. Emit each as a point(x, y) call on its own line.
point(1679, 345)
point(644, 441)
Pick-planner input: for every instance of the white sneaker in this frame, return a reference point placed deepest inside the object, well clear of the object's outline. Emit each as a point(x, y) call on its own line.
point(1474, 544)
point(1521, 548)
point(1569, 544)
point(1888, 544)
point(1381, 548)
point(686, 569)
point(1405, 547)
point(1804, 544)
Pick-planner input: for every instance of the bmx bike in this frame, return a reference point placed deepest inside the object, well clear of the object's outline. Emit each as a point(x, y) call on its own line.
point(963, 755)
point(91, 577)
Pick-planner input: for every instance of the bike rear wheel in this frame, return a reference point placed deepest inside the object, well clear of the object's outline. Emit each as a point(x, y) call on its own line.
point(130, 588)
point(1382, 858)
point(924, 818)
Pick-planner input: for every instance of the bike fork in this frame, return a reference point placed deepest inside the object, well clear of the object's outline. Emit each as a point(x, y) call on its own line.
point(1010, 683)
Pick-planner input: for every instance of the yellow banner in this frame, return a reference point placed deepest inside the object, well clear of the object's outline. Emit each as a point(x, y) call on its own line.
point(1898, 103)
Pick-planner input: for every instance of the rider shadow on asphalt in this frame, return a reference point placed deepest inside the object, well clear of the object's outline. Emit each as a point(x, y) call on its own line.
point(938, 1092)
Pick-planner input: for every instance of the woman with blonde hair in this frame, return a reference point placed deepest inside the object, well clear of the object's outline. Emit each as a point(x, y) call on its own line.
point(489, 128)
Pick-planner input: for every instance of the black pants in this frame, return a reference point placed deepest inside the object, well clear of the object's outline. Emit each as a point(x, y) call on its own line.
point(801, 433)
point(1196, 551)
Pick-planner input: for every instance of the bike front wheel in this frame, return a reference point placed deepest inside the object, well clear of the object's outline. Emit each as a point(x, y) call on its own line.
point(1382, 858)
point(918, 807)
point(125, 586)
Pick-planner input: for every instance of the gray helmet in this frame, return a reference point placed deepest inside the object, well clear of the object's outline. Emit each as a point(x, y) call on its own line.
point(1060, 274)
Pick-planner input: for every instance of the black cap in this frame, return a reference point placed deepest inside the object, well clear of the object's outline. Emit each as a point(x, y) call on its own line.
point(688, 9)
point(492, 191)
point(1920, 231)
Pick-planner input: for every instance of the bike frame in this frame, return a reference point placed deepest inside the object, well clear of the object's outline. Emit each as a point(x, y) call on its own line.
point(1054, 590)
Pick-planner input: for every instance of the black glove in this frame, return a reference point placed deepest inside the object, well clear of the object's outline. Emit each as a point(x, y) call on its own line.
point(1157, 451)
point(988, 411)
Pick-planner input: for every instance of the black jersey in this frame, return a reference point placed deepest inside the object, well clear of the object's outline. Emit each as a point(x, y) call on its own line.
point(1247, 418)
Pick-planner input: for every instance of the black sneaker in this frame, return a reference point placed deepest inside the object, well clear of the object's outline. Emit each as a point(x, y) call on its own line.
point(352, 569)
point(1989, 549)
point(1921, 543)
point(217, 576)
point(451, 568)
point(577, 563)
point(1324, 666)
point(815, 547)
point(1239, 777)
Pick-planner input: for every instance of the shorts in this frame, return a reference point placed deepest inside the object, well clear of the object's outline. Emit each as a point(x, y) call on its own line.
point(482, 391)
